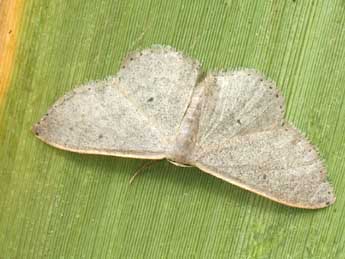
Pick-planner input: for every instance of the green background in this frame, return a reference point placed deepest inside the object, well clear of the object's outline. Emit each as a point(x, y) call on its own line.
point(56, 204)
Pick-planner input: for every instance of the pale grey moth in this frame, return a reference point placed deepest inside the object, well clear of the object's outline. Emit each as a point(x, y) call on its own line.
point(161, 105)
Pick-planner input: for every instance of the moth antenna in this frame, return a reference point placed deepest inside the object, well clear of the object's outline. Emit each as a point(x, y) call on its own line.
point(142, 167)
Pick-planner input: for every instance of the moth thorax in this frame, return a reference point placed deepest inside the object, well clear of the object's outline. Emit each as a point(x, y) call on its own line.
point(186, 138)
point(182, 150)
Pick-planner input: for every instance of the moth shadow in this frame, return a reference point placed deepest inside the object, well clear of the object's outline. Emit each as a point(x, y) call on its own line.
point(194, 180)
point(188, 180)
point(110, 166)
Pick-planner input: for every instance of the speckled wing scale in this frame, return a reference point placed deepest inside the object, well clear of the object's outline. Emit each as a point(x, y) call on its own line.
point(134, 114)
point(243, 140)
point(227, 124)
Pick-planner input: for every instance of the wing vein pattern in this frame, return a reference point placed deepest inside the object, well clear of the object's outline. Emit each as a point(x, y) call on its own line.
point(248, 144)
point(128, 115)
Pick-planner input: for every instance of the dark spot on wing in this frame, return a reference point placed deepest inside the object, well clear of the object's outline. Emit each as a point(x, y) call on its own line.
point(264, 177)
point(100, 136)
point(150, 99)
point(239, 121)
point(36, 131)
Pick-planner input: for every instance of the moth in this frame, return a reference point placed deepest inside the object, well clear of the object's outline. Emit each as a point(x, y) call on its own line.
point(162, 105)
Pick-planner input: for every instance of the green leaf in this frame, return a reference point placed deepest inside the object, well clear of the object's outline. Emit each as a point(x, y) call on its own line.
point(55, 204)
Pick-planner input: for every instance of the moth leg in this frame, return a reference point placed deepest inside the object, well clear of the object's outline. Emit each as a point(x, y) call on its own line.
point(141, 168)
